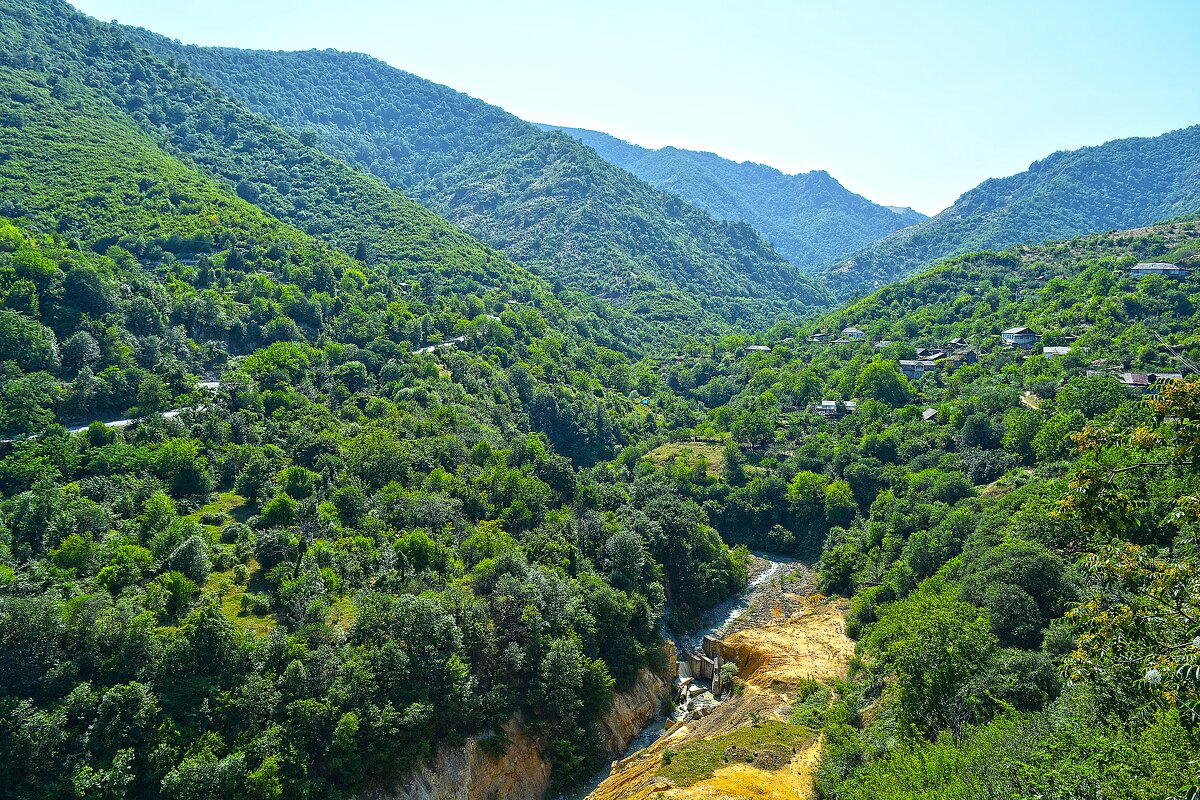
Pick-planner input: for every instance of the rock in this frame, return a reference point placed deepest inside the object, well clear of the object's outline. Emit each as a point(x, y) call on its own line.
point(475, 771)
point(632, 709)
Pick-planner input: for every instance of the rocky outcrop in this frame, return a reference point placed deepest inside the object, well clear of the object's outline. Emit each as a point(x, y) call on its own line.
point(477, 771)
point(634, 708)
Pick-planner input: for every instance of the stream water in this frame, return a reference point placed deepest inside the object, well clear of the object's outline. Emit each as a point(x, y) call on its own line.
point(715, 622)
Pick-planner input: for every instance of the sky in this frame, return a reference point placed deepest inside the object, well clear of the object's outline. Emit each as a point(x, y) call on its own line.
point(907, 102)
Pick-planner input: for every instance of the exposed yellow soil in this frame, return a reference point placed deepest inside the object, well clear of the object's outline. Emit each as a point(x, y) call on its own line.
point(813, 646)
point(774, 661)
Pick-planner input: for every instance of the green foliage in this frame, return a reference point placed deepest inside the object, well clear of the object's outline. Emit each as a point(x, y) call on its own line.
point(649, 253)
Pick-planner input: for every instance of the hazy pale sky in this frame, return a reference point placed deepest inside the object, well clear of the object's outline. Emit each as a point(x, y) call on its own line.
point(908, 103)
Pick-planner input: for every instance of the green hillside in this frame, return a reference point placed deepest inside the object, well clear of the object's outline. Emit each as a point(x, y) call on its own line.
point(357, 487)
point(809, 218)
point(376, 536)
point(546, 200)
point(1117, 185)
point(1015, 528)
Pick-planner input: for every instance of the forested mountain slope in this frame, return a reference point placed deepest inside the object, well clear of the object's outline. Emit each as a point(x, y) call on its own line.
point(359, 547)
point(1016, 528)
point(545, 199)
point(809, 218)
point(1121, 184)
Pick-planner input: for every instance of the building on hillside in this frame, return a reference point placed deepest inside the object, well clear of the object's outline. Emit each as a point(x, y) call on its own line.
point(832, 409)
point(852, 333)
point(915, 369)
point(964, 355)
point(1056, 351)
point(882, 343)
point(929, 414)
point(1138, 382)
point(1144, 268)
point(1019, 337)
point(818, 338)
point(757, 348)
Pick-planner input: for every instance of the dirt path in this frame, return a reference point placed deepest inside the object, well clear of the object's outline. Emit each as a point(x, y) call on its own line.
point(807, 641)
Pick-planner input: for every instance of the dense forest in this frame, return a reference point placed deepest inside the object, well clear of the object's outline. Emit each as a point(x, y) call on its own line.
point(549, 202)
point(810, 218)
point(379, 534)
point(369, 487)
point(1117, 185)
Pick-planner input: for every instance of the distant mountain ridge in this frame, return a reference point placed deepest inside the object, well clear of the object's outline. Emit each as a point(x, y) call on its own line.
point(810, 218)
point(543, 198)
point(1125, 183)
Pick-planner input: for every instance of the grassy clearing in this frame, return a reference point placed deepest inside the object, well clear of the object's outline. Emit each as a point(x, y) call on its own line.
point(225, 585)
point(228, 507)
point(770, 745)
point(711, 452)
point(341, 614)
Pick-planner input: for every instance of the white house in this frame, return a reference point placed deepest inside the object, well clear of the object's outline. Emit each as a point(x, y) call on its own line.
point(1019, 337)
point(1056, 351)
point(852, 333)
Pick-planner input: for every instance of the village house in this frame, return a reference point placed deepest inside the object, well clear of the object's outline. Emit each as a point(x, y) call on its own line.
point(1138, 382)
point(929, 414)
point(757, 348)
point(852, 333)
point(832, 409)
point(1056, 351)
point(962, 356)
point(1019, 337)
point(914, 369)
point(1144, 268)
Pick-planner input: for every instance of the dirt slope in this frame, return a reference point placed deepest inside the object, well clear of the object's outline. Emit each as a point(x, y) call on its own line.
point(774, 660)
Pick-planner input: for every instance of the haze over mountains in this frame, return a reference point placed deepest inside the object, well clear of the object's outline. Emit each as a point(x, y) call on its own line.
point(552, 205)
point(809, 217)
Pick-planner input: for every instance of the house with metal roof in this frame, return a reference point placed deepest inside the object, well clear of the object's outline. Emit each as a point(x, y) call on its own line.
point(1019, 337)
point(1144, 268)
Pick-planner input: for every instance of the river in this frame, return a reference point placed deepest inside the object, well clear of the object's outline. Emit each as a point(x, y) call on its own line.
point(762, 589)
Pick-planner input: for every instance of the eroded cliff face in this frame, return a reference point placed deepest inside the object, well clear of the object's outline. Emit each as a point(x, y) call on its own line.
point(633, 709)
point(476, 771)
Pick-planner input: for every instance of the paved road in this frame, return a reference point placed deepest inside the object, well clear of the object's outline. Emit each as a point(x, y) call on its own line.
point(125, 423)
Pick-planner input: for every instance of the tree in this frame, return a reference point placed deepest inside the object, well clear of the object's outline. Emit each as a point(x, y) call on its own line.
point(191, 559)
point(254, 480)
point(27, 342)
point(882, 381)
point(1136, 623)
point(733, 464)
point(27, 403)
point(1090, 395)
point(80, 350)
point(936, 644)
point(185, 470)
point(297, 482)
point(152, 396)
